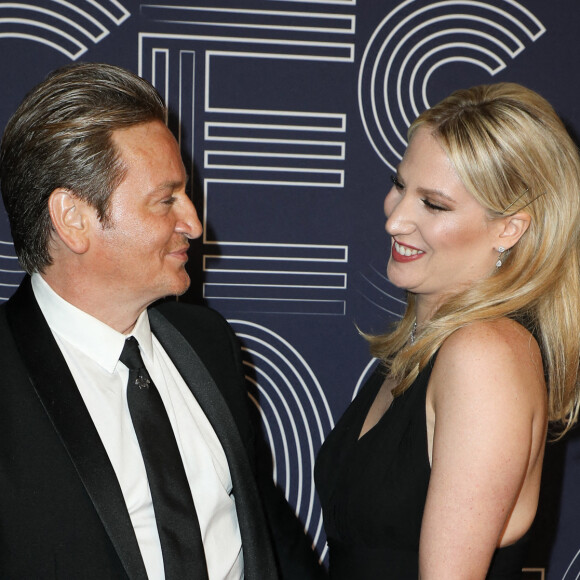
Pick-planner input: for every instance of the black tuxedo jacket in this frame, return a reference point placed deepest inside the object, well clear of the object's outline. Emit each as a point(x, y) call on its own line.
point(62, 513)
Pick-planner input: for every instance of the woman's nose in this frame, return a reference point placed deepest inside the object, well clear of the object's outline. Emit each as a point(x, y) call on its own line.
point(397, 211)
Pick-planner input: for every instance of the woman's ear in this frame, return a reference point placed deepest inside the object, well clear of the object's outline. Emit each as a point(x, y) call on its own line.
point(514, 227)
point(72, 219)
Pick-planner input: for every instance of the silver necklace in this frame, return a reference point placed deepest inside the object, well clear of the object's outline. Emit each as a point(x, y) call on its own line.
point(413, 331)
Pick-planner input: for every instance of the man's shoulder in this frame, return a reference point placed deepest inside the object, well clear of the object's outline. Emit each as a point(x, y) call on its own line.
point(213, 340)
point(204, 328)
point(182, 314)
point(3, 321)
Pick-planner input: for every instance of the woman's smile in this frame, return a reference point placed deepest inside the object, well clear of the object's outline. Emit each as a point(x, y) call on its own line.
point(404, 253)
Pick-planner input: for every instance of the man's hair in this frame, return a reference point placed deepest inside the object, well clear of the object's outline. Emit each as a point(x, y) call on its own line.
point(60, 137)
point(512, 153)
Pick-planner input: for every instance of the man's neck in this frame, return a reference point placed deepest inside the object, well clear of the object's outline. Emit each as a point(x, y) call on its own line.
point(112, 311)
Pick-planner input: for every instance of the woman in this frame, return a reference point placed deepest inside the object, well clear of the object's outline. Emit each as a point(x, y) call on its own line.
point(434, 470)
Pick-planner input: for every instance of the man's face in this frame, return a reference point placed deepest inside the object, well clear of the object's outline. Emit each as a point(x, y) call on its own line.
point(142, 251)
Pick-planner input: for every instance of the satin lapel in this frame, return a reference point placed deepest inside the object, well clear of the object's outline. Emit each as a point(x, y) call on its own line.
point(64, 405)
point(258, 559)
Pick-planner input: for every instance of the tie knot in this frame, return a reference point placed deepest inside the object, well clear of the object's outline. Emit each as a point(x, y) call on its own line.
point(131, 357)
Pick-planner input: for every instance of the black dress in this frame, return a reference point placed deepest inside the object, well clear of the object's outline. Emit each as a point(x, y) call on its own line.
point(373, 490)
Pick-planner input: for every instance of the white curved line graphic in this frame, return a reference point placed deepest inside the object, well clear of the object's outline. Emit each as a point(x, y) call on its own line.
point(271, 445)
point(410, 53)
point(363, 377)
point(291, 417)
point(285, 369)
point(384, 277)
point(449, 60)
point(323, 555)
point(41, 40)
point(530, 15)
point(427, 39)
point(286, 381)
point(291, 420)
point(570, 566)
point(301, 359)
point(32, 13)
point(125, 13)
point(362, 68)
point(397, 27)
point(267, 427)
point(407, 36)
point(500, 11)
point(280, 428)
point(65, 19)
point(48, 27)
point(500, 64)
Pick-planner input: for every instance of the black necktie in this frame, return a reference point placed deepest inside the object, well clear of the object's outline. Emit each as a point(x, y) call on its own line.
point(181, 543)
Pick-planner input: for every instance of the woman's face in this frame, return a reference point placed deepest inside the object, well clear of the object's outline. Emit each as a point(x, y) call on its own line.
point(442, 239)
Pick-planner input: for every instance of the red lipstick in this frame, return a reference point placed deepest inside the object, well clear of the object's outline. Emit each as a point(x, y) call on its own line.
point(398, 257)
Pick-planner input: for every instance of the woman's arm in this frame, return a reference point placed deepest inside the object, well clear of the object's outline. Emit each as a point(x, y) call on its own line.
point(488, 398)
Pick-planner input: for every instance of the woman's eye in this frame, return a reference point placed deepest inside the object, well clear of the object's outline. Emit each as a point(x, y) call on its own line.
point(397, 183)
point(433, 206)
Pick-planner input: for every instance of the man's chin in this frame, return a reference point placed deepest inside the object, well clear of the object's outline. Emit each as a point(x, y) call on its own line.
point(184, 286)
point(178, 287)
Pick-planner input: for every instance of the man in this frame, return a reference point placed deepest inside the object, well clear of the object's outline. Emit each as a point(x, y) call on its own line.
point(118, 458)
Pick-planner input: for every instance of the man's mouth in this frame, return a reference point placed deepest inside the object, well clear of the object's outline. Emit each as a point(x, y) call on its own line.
point(180, 252)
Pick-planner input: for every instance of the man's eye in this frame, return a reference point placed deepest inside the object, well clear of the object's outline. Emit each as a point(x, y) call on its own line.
point(169, 200)
point(397, 183)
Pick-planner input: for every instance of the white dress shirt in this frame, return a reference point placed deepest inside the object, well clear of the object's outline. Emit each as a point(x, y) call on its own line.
point(91, 350)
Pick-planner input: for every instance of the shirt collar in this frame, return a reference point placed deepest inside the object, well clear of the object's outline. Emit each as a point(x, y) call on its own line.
point(94, 338)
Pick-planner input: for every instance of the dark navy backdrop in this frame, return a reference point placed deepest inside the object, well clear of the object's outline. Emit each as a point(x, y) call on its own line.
point(290, 115)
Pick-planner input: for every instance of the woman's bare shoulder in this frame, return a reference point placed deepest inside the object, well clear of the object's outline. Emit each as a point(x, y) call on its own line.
point(502, 336)
point(491, 358)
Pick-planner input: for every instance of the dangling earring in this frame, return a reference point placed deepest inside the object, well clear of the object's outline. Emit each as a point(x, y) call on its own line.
point(501, 250)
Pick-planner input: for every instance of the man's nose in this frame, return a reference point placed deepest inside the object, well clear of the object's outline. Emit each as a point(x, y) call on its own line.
point(189, 223)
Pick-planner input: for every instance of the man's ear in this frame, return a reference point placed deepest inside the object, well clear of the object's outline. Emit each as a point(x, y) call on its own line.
point(72, 219)
point(514, 227)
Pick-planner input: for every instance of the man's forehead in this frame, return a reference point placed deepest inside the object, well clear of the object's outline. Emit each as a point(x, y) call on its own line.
point(151, 157)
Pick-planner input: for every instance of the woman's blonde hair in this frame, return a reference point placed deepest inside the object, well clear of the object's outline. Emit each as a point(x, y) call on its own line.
point(512, 153)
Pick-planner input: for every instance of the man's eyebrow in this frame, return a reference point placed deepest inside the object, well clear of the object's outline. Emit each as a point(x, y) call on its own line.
point(176, 184)
point(170, 185)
